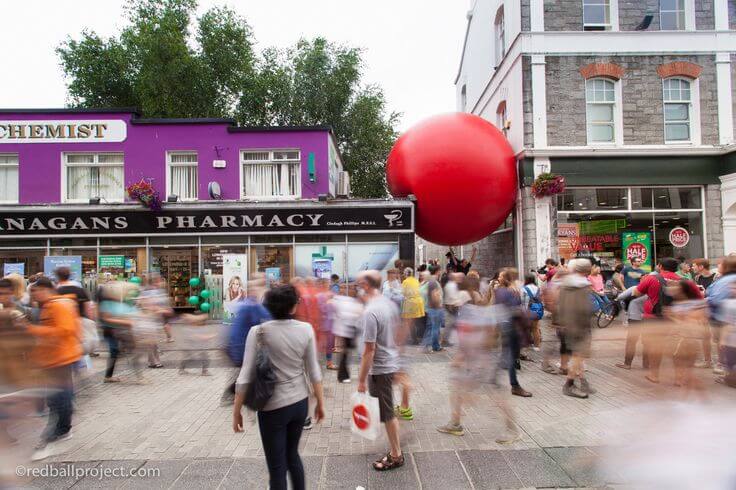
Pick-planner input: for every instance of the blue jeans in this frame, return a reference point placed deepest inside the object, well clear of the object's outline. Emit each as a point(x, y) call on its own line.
point(510, 348)
point(435, 321)
point(59, 401)
point(280, 431)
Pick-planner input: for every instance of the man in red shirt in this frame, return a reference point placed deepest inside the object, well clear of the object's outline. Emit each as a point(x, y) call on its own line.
point(653, 329)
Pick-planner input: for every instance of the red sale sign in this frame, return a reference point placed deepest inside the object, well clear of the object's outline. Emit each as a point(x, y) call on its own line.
point(360, 417)
point(637, 250)
point(679, 237)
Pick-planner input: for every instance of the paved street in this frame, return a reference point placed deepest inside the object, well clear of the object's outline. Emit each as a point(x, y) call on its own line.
point(175, 423)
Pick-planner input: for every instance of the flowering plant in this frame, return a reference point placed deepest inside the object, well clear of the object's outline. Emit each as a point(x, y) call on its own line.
point(144, 192)
point(548, 184)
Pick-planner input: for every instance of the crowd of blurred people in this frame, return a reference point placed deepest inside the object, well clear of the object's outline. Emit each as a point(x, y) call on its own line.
point(682, 310)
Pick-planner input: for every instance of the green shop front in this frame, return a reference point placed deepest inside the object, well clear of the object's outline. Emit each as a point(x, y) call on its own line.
point(618, 208)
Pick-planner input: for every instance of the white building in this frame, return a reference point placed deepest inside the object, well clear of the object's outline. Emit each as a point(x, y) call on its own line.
point(631, 101)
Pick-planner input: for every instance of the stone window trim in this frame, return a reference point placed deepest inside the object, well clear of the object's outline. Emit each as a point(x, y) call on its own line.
point(679, 69)
point(607, 70)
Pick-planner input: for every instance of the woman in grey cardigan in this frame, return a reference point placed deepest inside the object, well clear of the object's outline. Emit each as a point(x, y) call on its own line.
point(293, 354)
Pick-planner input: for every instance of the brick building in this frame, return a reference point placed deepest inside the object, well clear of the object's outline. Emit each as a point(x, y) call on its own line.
point(631, 101)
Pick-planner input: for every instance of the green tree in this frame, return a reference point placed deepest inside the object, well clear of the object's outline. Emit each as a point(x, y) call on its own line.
point(156, 66)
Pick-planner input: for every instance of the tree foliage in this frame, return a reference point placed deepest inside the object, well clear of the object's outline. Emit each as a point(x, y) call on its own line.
point(168, 65)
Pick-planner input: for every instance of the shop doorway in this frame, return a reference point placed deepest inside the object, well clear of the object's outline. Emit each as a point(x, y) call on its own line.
point(176, 266)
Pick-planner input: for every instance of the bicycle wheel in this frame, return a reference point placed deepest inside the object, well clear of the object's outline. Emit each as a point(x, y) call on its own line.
point(606, 315)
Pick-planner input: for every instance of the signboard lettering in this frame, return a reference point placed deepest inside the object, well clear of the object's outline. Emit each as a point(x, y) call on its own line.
point(679, 237)
point(53, 221)
point(63, 131)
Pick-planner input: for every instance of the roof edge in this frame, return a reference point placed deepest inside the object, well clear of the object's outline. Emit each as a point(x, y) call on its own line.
point(257, 129)
point(70, 110)
point(183, 120)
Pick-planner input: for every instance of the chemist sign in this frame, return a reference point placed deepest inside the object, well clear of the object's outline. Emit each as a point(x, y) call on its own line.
point(63, 131)
point(679, 237)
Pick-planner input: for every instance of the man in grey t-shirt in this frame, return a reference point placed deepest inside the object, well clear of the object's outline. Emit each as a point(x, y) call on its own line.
point(380, 360)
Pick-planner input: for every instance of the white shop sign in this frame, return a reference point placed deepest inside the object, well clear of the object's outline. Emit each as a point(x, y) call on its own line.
point(63, 131)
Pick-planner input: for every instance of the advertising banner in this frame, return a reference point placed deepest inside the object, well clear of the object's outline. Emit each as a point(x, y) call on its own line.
point(14, 268)
point(273, 275)
point(234, 277)
point(111, 262)
point(319, 260)
point(638, 244)
point(52, 262)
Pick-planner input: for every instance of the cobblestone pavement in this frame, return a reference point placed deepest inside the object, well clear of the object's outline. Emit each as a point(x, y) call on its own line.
point(175, 422)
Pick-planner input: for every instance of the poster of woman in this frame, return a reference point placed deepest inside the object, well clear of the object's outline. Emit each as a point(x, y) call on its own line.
point(234, 277)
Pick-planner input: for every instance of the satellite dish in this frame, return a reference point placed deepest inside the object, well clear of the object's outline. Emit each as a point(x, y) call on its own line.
point(213, 189)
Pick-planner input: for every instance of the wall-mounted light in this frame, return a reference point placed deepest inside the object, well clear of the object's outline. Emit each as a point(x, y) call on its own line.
point(172, 198)
point(322, 197)
point(94, 200)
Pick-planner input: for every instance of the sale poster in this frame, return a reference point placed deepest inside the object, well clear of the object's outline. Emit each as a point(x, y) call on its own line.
point(638, 245)
point(234, 277)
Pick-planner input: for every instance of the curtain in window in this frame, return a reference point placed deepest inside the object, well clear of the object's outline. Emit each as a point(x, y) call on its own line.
point(264, 180)
point(184, 181)
point(85, 182)
point(9, 183)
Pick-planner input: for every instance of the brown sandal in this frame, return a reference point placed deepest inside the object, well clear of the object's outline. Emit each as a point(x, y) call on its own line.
point(388, 463)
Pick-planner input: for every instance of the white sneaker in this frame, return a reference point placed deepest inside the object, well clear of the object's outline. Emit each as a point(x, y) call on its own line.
point(535, 348)
point(719, 370)
point(41, 453)
point(65, 437)
point(348, 380)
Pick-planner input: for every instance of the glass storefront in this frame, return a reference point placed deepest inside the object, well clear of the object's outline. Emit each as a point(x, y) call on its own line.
point(179, 258)
point(611, 224)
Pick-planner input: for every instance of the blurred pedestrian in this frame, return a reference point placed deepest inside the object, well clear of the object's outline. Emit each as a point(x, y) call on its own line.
point(716, 294)
point(689, 316)
point(435, 313)
point(512, 324)
point(380, 362)
point(574, 312)
point(347, 312)
point(532, 302)
point(412, 308)
point(250, 313)
point(58, 348)
point(292, 351)
point(391, 288)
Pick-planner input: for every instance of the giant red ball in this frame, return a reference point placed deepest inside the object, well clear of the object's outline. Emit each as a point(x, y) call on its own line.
point(462, 171)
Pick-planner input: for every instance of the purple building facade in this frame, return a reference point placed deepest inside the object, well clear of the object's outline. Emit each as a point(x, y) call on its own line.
point(274, 199)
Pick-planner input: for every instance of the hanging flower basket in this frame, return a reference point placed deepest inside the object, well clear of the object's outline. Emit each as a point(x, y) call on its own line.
point(144, 192)
point(548, 184)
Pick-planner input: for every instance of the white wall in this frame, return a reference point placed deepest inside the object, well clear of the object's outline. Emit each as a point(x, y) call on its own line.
point(478, 60)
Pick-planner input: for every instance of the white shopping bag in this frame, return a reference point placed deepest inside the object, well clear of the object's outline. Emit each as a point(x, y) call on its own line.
point(365, 416)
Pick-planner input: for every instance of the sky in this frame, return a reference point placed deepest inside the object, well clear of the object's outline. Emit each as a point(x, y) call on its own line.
point(411, 47)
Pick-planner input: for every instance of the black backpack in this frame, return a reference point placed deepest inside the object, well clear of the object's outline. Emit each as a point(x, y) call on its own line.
point(260, 390)
point(664, 298)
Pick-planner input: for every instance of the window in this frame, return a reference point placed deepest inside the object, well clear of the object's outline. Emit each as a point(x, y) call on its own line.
point(600, 98)
point(677, 102)
point(591, 198)
point(9, 178)
point(271, 173)
point(182, 178)
point(91, 175)
point(501, 118)
point(596, 15)
point(500, 31)
point(672, 15)
point(464, 98)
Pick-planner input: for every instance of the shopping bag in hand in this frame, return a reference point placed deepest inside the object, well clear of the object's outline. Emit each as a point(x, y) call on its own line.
point(365, 416)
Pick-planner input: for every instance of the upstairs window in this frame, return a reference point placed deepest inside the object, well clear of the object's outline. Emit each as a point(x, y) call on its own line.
point(271, 174)
point(600, 101)
point(182, 168)
point(93, 175)
point(672, 15)
point(596, 15)
point(500, 39)
point(501, 118)
point(8, 178)
point(677, 110)
point(464, 98)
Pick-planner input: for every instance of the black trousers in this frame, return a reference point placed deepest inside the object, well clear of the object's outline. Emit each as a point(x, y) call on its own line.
point(342, 369)
point(280, 431)
point(60, 402)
